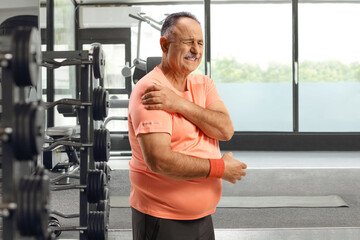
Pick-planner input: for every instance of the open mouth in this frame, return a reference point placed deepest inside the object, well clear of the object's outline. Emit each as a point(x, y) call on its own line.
point(191, 57)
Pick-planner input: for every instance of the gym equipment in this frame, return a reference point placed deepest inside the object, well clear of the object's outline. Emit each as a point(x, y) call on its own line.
point(97, 228)
point(28, 134)
point(96, 186)
point(29, 130)
point(104, 205)
point(102, 145)
point(32, 203)
point(8, 26)
point(104, 167)
point(31, 209)
point(91, 65)
point(25, 197)
point(100, 104)
point(139, 64)
point(98, 60)
point(78, 58)
point(21, 52)
point(54, 223)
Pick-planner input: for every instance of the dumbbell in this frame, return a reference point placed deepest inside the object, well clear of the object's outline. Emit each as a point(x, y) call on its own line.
point(97, 228)
point(21, 52)
point(27, 135)
point(96, 186)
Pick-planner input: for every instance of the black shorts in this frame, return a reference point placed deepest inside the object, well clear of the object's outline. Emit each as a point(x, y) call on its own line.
point(146, 227)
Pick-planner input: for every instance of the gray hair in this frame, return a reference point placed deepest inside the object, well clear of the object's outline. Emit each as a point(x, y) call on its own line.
point(171, 21)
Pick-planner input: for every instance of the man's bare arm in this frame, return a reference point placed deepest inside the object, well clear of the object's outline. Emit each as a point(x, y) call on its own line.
point(158, 156)
point(214, 120)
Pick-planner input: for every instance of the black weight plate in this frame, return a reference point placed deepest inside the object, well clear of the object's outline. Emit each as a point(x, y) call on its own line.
point(37, 123)
point(89, 186)
point(18, 57)
point(98, 60)
point(104, 206)
point(97, 229)
point(28, 134)
point(105, 104)
point(44, 197)
point(17, 136)
point(102, 145)
point(29, 230)
point(103, 166)
point(91, 226)
point(35, 56)
point(22, 140)
point(96, 147)
point(92, 186)
point(101, 205)
point(95, 103)
point(36, 205)
point(107, 194)
point(96, 186)
point(108, 145)
point(98, 104)
point(103, 223)
point(27, 58)
point(10, 24)
point(101, 185)
point(26, 131)
point(20, 217)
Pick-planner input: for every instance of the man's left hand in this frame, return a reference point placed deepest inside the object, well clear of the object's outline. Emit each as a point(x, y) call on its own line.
point(157, 97)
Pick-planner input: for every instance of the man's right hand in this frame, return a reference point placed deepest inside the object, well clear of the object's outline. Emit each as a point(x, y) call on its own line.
point(234, 169)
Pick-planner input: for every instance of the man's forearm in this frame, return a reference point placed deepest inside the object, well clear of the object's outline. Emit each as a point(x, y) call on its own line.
point(179, 166)
point(214, 124)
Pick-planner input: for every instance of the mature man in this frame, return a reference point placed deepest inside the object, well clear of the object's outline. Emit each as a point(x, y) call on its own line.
point(175, 121)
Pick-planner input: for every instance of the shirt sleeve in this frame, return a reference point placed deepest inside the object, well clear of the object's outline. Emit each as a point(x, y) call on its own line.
point(148, 121)
point(212, 95)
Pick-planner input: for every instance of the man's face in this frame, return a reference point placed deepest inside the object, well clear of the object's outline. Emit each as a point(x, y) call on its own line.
point(186, 46)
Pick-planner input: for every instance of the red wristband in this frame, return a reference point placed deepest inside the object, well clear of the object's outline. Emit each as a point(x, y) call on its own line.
point(217, 168)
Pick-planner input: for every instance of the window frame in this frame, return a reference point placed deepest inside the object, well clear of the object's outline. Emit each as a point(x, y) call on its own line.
point(274, 141)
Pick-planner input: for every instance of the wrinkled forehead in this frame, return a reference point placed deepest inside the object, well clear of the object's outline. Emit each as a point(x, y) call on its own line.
point(187, 28)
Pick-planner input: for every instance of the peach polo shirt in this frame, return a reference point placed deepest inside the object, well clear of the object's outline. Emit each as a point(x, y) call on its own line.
point(152, 193)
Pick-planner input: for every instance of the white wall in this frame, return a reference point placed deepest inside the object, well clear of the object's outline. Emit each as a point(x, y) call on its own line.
point(99, 17)
point(9, 8)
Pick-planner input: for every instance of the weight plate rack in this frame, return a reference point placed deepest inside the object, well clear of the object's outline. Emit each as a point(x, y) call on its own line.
point(25, 192)
point(92, 106)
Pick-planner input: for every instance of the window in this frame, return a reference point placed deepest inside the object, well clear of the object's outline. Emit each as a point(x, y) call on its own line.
point(251, 64)
point(329, 69)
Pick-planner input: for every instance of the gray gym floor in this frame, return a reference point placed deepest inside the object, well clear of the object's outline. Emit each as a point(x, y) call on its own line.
point(268, 174)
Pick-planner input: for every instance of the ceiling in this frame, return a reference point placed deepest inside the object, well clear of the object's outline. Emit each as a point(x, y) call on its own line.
point(165, 2)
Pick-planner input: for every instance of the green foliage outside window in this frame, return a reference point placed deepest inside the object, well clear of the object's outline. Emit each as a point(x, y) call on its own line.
point(231, 71)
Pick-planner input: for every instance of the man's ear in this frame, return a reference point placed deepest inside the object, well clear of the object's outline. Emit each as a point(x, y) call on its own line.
point(164, 44)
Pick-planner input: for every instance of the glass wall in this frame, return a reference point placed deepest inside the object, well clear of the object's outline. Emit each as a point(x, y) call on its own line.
point(64, 33)
point(329, 69)
point(251, 47)
point(113, 79)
